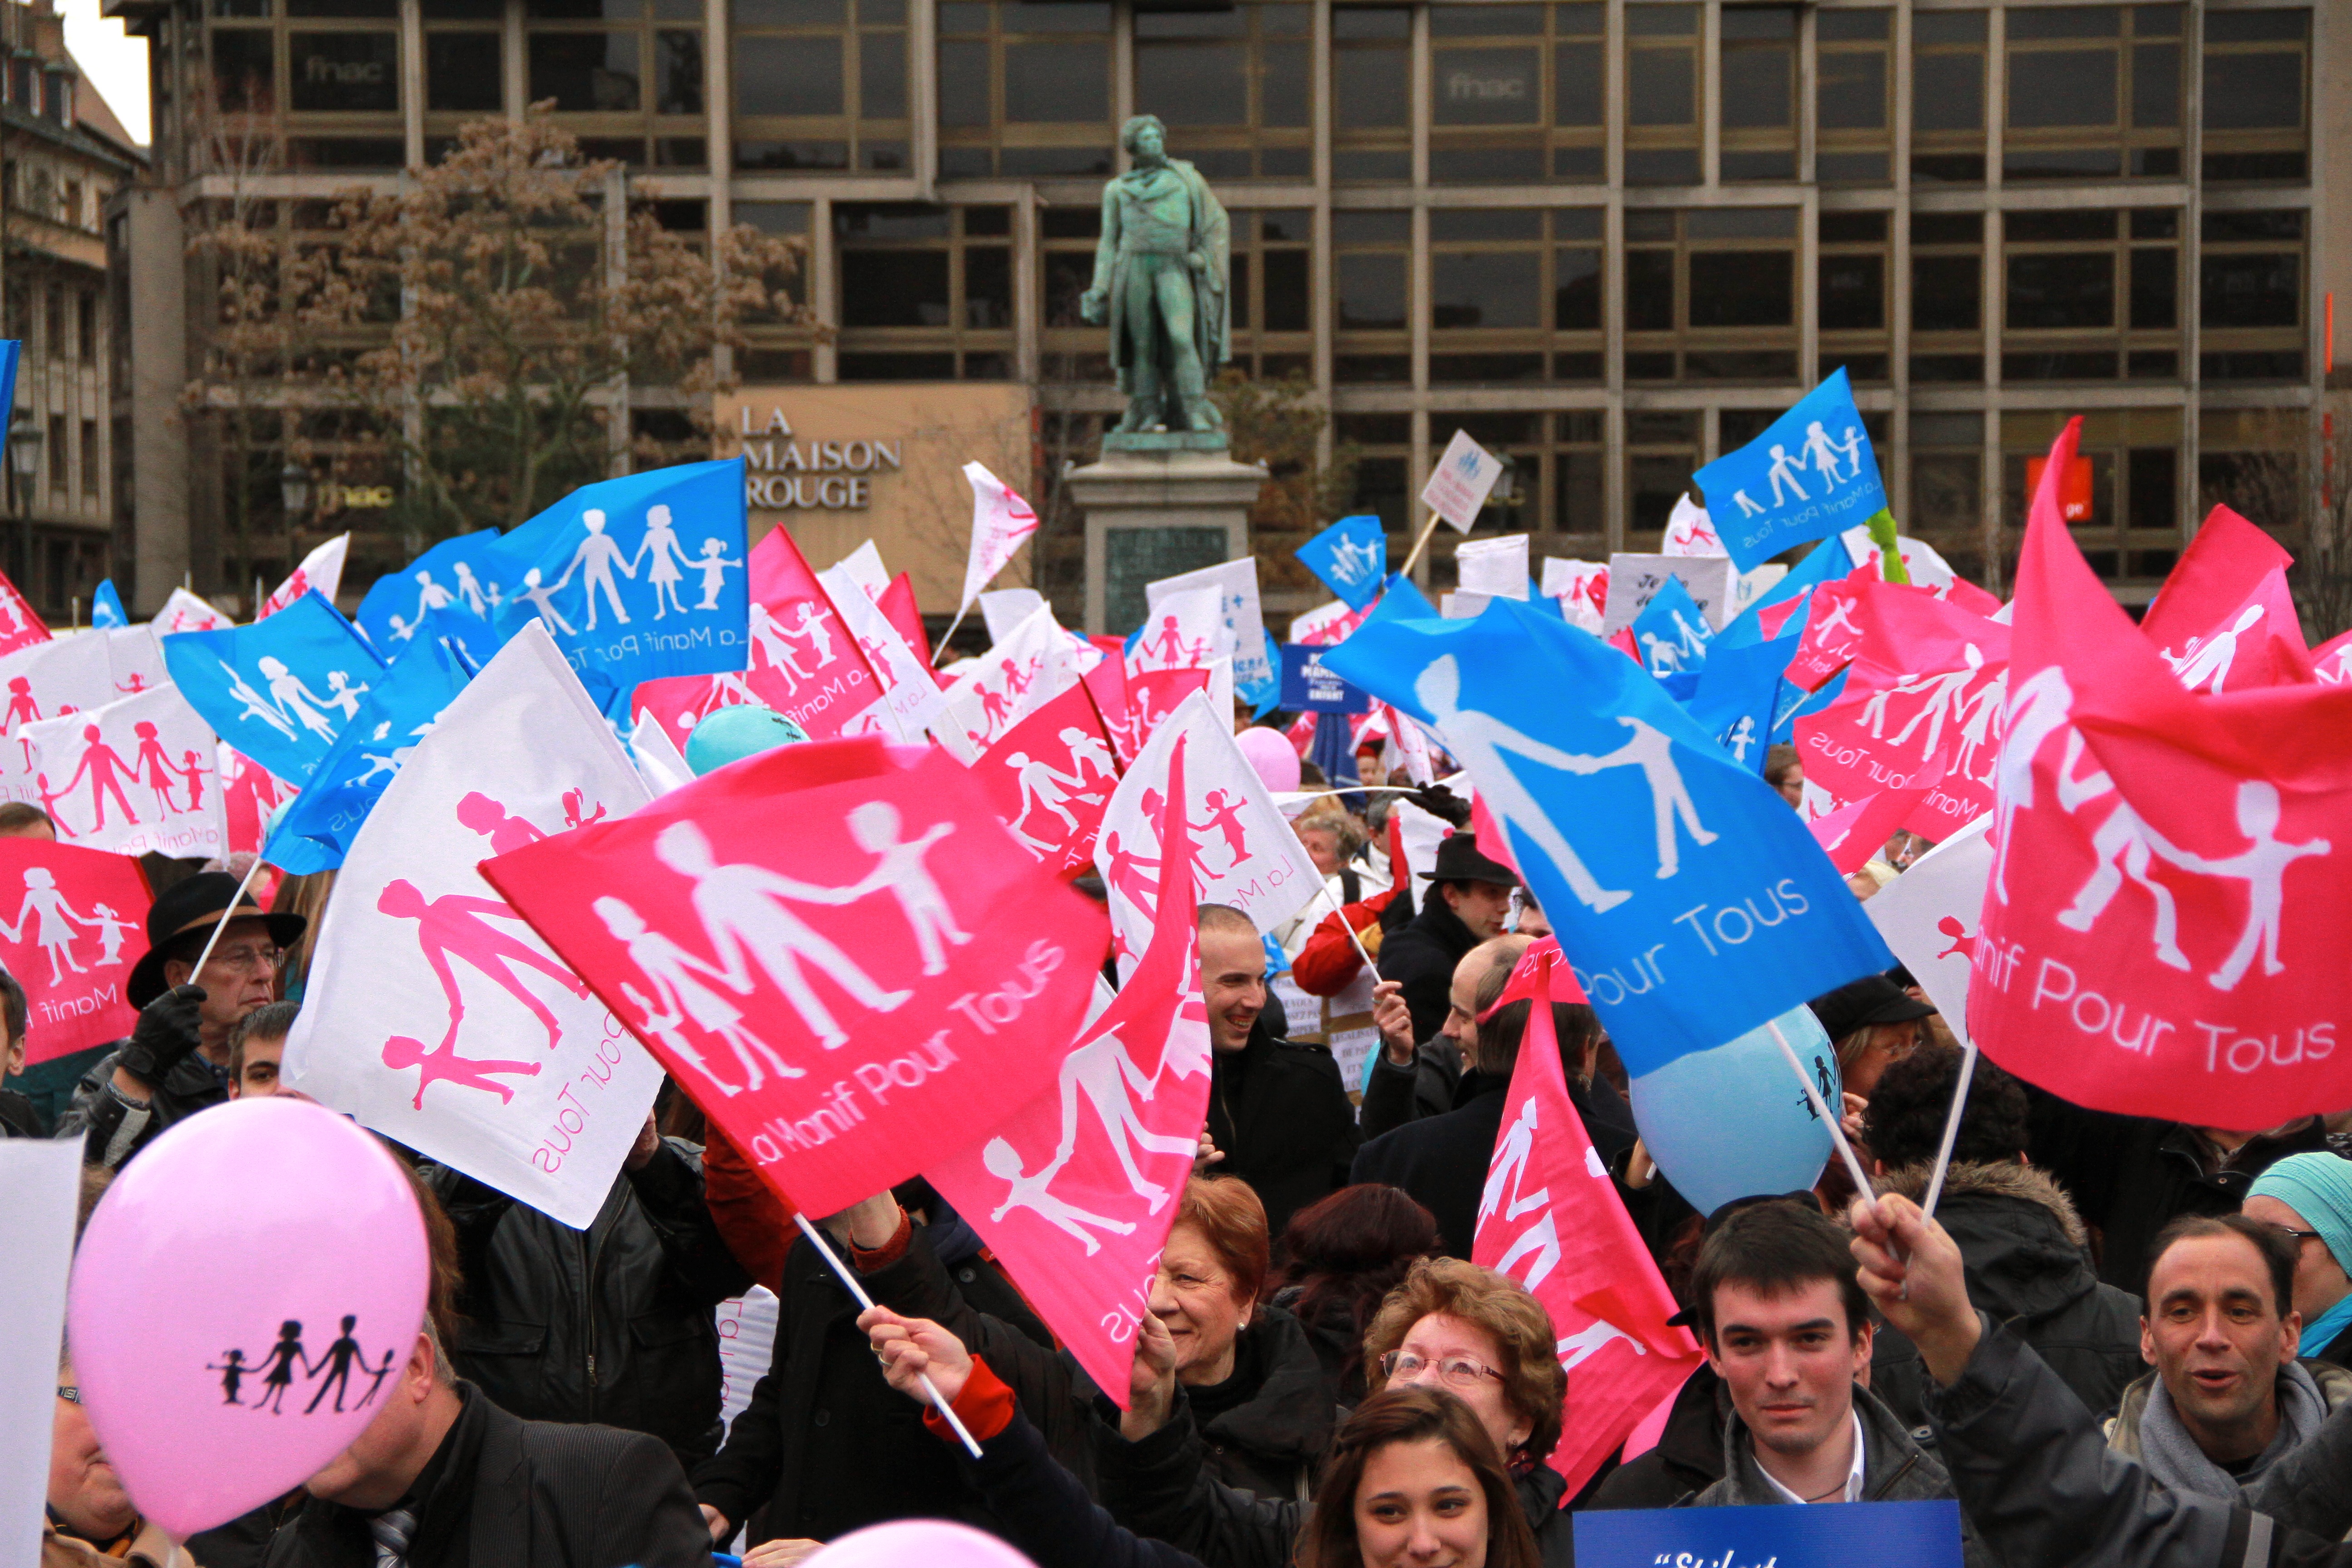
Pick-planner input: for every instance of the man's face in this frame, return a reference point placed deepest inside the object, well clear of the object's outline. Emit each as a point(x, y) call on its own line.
point(1461, 1024)
point(2214, 1334)
point(1788, 1362)
point(1232, 983)
point(83, 1487)
point(1480, 906)
point(240, 975)
point(375, 1471)
point(1792, 784)
point(257, 1074)
point(1322, 847)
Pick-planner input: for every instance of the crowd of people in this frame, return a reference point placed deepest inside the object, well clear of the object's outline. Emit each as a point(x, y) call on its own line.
point(2115, 1342)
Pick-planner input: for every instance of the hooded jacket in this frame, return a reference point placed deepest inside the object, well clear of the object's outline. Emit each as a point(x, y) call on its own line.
point(1282, 1116)
point(2026, 1256)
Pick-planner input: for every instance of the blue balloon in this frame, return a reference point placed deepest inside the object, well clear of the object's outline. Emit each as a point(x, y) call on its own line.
point(730, 735)
point(1732, 1121)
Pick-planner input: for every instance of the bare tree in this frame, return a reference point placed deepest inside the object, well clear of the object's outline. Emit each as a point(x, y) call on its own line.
point(2303, 498)
point(1281, 425)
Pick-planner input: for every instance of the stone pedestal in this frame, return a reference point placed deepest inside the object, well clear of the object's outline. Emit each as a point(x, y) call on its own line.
point(1158, 504)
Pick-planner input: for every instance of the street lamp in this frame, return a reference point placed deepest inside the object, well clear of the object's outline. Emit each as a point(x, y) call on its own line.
point(25, 460)
point(294, 490)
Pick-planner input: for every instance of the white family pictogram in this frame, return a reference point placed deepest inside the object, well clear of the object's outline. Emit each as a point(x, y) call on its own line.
point(1786, 469)
point(1354, 561)
point(2206, 661)
point(48, 921)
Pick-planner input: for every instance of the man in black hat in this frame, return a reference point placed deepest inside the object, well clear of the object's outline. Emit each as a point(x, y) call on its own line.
point(1468, 900)
point(175, 1062)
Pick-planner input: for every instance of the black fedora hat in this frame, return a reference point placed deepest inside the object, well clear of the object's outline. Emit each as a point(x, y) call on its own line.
point(197, 904)
point(1873, 999)
point(1458, 860)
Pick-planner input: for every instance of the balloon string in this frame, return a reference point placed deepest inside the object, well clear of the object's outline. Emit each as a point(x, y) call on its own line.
point(849, 1282)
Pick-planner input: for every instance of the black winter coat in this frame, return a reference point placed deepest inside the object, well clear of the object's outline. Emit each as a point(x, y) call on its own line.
point(1283, 1117)
point(825, 1444)
point(1272, 1442)
point(1689, 1456)
point(2025, 1254)
point(1046, 1511)
point(1394, 1095)
point(610, 1324)
point(1421, 957)
point(507, 1493)
point(2130, 1177)
point(112, 1132)
point(17, 1117)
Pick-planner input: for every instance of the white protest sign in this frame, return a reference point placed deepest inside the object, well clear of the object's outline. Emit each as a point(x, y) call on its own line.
point(433, 1014)
point(1497, 568)
point(1582, 588)
point(1461, 483)
point(136, 777)
point(1240, 616)
point(1928, 917)
point(43, 1181)
point(1635, 581)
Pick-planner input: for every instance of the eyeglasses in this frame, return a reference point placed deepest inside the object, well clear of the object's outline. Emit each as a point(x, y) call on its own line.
point(246, 960)
point(1456, 1371)
point(69, 1393)
point(2299, 1237)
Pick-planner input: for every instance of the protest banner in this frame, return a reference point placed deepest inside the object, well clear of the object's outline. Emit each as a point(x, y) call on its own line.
point(1635, 580)
point(1308, 688)
point(149, 758)
point(2331, 662)
point(1853, 834)
point(1836, 1535)
point(898, 607)
point(1549, 1218)
point(1076, 1190)
point(1329, 624)
point(79, 928)
point(1679, 948)
point(433, 1014)
point(281, 691)
point(45, 680)
point(457, 575)
point(1811, 474)
point(2159, 921)
point(321, 571)
point(845, 1060)
point(1923, 567)
point(1458, 485)
point(1002, 609)
point(1351, 556)
point(1050, 778)
point(2258, 642)
point(1738, 695)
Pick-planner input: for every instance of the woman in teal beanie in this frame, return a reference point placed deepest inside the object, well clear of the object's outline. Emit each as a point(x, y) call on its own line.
point(2309, 1196)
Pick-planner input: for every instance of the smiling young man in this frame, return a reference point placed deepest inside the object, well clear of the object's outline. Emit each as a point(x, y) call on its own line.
point(2228, 1398)
point(1278, 1111)
point(1788, 1329)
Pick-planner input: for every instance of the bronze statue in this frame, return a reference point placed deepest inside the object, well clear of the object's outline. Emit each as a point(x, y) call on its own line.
point(1161, 274)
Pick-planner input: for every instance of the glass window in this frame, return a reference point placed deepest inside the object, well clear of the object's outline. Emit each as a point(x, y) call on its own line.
point(2249, 296)
point(2256, 110)
point(1661, 453)
point(2094, 93)
point(1946, 480)
point(1947, 297)
point(1853, 97)
point(1662, 95)
point(1851, 293)
point(1371, 93)
point(1758, 115)
point(1272, 252)
point(1499, 75)
point(1371, 257)
point(1513, 296)
point(818, 84)
point(465, 72)
point(1025, 89)
point(2091, 294)
point(327, 75)
point(926, 292)
point(1710, 295)
point(1234, 82)
point(1948, 55)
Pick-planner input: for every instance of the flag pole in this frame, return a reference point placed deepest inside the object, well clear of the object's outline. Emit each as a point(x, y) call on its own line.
point(1951, 1122)
point(1340, 909)
point(1420, 544)
point(1862, 1187)
point(942, 651)
point(222, 924)
point(865, 1302)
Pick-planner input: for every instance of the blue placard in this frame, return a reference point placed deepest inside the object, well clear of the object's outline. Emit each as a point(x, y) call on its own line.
point(1810, 475)
point(1824, 1535)
point(1309, 686)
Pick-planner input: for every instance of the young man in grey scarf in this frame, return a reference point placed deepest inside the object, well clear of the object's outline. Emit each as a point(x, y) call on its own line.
point(2228, 1398)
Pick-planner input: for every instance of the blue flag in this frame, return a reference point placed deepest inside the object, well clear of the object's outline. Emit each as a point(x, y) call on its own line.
point(1400, 601)
point(1671, 631)
point(1810, 475)
point(1828, 563)
point(10, 349)
point(1308, 685)
point(1330, 751)
point(315, 830)
point(1796, 703)
point(1738, 695)
point(637, 578)
point(455, 574)
point(1693, 902)
point(280, 691)
point(1265, 693)
point(1351, 556)
point(106, 607)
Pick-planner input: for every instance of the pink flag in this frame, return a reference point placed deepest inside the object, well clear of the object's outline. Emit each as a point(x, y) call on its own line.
point(1491, 842)
point(1550, 1219)
point(1327, 625)
point(1541, 970)
point(20, 625)
point(2331, 662)
point(1050, 777)
point(249, 794)
point(2212, 580)
point(73, 922)
point(2258, 642)
point(2163, 923)
point(322, 569)
point(1077, 1188)
point(849, 1000)
point(1851, 834)
point(898, 607)
point(1833, 636)
point(1000, 521)
point(1153, 694)
point(1105, 683)
point(1921, 710)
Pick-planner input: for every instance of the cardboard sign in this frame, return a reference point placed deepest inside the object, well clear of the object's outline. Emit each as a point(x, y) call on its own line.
point(1461, 483)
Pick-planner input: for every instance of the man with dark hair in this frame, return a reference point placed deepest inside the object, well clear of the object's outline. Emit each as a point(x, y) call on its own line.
point(1278, 1112)
point(256, 1048)
point(2228, 1398)
point(1468, 901)
point(21, 819)
point(1787, 1329)
point(2025, 1248)
point(18, 1116)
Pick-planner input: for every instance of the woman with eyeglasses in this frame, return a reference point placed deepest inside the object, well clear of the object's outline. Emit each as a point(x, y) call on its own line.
point(1415, 1479)
point(1453, 1326)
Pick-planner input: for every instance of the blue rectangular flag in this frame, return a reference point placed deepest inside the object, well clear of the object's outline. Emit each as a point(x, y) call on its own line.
point(1738, 695)
point(1810, 475)
point(1308, 685)
point(637, 578)
point(317, 826)
point(1351, 556)
point(1692, 902)
point(280, 691)
point(106, 607)
point(452, 575)
point(1672, 632)
point(1836, 1535)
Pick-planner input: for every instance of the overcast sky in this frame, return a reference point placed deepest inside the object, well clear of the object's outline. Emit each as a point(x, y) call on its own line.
point(117, 65)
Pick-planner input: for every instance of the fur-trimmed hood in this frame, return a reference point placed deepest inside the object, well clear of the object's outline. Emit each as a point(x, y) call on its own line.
point(2012, 1181)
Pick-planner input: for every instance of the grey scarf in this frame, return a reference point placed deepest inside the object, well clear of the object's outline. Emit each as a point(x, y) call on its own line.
point(2173, 1458)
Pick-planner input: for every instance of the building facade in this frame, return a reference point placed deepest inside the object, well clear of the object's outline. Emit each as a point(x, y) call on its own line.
point(1610, 237)
point(63, 154)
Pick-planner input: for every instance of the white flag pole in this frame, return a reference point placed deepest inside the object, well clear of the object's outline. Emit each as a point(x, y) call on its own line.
point(1822, 1108)
point(946, 637)
point(222, 924)
point(1951, 1122)
point(849, 1282)
point(1340, 909)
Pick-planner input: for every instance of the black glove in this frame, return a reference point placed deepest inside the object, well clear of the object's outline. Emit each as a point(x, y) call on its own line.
point(166, 1032)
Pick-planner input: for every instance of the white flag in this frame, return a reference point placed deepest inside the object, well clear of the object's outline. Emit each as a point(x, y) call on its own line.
point(321, 569)
point(911, 700)
point(1246, 855)
point(1689, 532)
point(1028, 668)
point(659, 762)
point(1005, 608)
point(1928, 916)
point(134, 661)
point(864, 566)
point(1582, 589)
point(999, 521)
point(1925, 568)
point(1493, 568)
point(1182, 631)
point(137, 776)
point(1241, 618)
point(183, 612)
point(433, 1014)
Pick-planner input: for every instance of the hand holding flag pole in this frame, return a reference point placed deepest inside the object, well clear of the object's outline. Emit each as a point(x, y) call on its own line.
point(849, 1279)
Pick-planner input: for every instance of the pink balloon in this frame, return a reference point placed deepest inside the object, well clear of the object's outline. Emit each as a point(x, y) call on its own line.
point(237, 1225)
point(1273, 757)
point(919, 1543)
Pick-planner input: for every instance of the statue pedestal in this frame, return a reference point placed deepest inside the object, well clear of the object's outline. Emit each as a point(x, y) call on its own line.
point(1156, 505)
